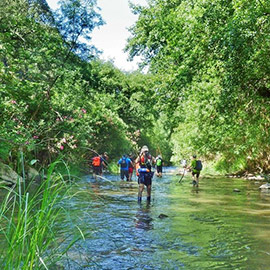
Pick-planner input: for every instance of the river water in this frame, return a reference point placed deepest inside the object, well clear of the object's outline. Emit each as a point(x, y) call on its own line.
point(209, 227)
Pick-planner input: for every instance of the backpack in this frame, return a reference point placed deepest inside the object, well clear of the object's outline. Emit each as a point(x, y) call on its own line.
point(199, 165)
point(123, 163)
point(159, 162)
point(96, 161)
point(145, 160)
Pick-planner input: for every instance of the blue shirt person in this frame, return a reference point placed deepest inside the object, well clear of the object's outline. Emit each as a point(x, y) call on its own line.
point(124, 164)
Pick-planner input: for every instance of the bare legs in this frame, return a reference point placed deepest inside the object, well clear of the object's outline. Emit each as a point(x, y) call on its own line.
point(195, 180)
point(148, 189)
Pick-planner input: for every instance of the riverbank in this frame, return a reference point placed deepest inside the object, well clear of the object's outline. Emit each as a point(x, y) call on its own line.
point(248, 176)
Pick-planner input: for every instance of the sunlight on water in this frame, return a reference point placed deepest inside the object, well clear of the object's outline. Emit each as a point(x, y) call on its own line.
point(210, 227)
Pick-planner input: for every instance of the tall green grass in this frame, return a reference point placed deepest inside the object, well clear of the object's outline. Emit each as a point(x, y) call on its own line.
point(28, 222)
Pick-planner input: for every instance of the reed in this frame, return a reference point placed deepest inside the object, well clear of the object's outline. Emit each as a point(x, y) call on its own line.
point(28, 222)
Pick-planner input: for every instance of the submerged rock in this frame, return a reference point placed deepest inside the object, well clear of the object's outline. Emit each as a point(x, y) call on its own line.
point(265, 186)
point(162, 216)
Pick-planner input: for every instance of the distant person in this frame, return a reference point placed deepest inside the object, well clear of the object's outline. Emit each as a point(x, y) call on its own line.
point(98, 164)
point(104, 162)
point(183, 168)
point(159, 164)
point(144, 164)
point(131, 167)
point(124, 164)
point(184, 163)
point(195, 167)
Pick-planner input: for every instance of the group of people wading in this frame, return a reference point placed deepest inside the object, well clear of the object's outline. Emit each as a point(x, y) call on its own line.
point(143, 165)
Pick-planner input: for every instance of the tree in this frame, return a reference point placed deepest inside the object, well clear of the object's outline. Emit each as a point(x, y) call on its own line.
point(210, 57)
point(76, 19)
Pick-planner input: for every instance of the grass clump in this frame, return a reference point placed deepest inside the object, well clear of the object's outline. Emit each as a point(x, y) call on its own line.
point(28, 221)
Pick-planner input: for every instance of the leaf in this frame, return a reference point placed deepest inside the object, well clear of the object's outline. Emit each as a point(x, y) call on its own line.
point(33, 161)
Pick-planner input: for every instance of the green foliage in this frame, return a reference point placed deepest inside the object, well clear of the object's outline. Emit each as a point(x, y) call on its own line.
point(75, 20)
point(28, 224)
point(210, 58)
point(207, 89)
point(53, 102)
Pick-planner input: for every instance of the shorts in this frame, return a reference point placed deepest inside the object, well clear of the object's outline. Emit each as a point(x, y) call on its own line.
point(97, 170)
point(159, 169)
point(123, 174)
point(196, 173)
point(130, 170)
point(145, 178)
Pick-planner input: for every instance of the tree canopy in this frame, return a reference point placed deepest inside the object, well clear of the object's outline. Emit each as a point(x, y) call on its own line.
point(207, 90)
point(211, 57)
point(57, 101)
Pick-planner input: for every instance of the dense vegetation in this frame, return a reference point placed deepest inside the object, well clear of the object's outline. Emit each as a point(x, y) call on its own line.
point(207, 89)
point(211, 59)
point(29, 220)
point(57, 97)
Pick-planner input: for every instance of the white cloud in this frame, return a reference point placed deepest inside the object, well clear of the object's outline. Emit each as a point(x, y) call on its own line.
point(111, 38)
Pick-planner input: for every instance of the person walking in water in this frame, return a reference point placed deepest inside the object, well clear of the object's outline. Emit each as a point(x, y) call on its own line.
point(196, 167)
point(131, 167)
point(98, 163)
point(124, 164)
point(144, 164)
point(104, 163)
point(159, 164)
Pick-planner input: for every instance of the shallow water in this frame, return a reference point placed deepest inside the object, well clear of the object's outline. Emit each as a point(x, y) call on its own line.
point(209, 227)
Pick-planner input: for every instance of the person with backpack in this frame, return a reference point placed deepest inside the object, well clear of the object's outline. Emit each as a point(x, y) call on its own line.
point(124, 164)
point(159, 164)
point(144, 164)
point(196, 167)
point(98, 163)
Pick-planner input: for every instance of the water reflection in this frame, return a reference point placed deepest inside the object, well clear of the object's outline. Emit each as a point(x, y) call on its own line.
point(143, 219)
point(210, 227)
point(195, 189)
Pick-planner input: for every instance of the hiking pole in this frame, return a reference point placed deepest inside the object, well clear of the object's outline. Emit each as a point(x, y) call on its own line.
point(182, 176)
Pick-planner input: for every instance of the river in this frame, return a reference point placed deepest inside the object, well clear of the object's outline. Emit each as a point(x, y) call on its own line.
point(209, 227)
